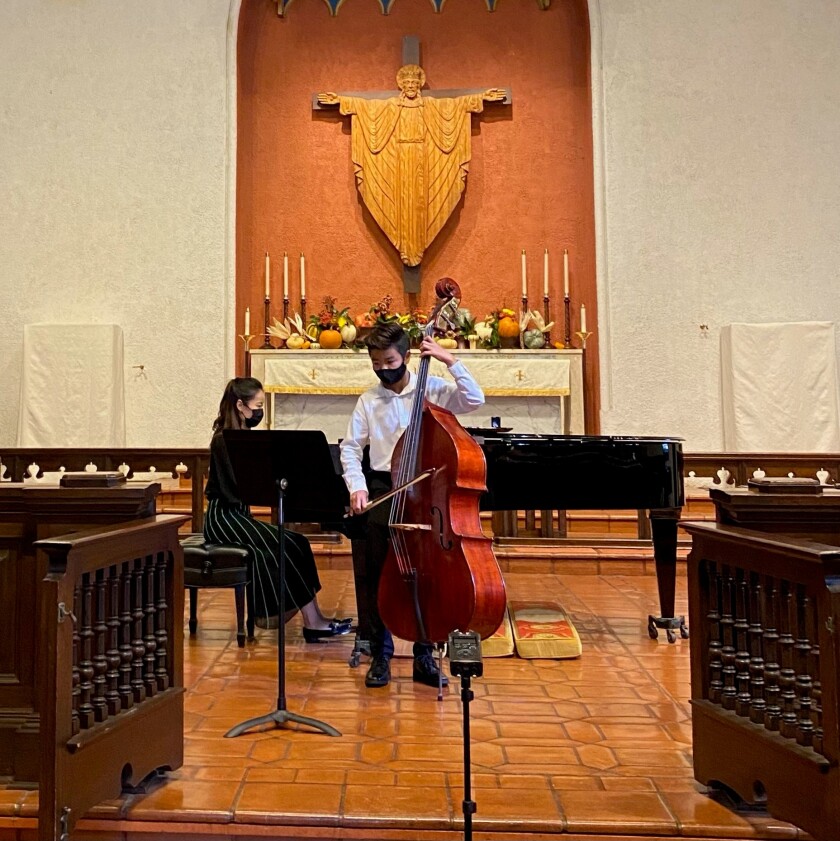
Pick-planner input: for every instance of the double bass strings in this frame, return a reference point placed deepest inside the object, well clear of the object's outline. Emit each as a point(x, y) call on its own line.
point(408, 462)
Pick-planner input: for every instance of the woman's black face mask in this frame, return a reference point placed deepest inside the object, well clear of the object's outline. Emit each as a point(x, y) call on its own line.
point(254, 420)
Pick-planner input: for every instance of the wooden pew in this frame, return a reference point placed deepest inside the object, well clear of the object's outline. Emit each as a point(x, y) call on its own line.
point(110, 677)
point(764, 610)
point(29, 513)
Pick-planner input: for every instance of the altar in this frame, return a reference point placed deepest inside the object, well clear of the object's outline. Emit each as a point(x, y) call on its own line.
point(531, 391)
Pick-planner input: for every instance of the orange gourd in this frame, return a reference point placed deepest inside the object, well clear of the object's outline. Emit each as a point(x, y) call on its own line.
point(508, 327)
point(330, 339)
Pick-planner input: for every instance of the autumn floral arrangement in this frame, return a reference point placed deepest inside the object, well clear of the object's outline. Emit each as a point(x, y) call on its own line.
point(332, 327)
point(503, 328)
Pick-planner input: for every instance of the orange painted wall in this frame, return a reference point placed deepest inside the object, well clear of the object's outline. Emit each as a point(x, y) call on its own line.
point(530, 183)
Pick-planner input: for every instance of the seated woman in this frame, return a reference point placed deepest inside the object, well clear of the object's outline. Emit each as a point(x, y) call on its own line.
point(228, 520)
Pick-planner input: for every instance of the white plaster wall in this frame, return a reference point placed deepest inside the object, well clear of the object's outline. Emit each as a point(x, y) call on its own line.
point(722, 193)
point(112, 177)
point(717, 155)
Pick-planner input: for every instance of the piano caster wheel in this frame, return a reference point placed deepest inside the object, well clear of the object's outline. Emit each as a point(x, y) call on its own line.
point(670, 625)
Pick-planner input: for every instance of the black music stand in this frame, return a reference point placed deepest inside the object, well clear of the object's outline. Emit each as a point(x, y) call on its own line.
point(278, 468)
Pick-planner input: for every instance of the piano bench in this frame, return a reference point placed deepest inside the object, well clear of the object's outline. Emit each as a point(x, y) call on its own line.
point(215, 565)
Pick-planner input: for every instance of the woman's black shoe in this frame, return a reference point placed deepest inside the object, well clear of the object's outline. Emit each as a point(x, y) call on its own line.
point(336, 629)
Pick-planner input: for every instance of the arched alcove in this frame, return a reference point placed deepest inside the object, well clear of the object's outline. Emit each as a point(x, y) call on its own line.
point(531, 178)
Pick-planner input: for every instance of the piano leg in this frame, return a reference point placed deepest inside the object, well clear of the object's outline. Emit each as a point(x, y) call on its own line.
point(663, 526)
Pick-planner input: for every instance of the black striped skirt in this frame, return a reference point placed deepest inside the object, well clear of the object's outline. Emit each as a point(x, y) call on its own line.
point(234, 525)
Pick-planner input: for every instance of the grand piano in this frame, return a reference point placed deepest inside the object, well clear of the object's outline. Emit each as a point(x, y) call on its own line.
point(547, 472)
point(562, 472)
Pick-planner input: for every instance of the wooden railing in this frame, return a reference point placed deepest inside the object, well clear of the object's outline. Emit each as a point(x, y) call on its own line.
point(188, 464)
point(764, 671)
point(701, 470)
point(111, 665)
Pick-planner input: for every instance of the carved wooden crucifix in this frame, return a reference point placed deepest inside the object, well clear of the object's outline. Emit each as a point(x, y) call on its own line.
point(411, 153)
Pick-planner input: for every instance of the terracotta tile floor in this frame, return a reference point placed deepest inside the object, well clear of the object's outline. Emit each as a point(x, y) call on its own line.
point(598, 747)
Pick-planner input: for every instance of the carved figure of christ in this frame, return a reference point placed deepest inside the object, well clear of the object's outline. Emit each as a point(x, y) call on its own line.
point(411, 154)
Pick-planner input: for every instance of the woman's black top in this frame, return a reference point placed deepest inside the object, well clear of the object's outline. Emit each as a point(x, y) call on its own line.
point(221, 483)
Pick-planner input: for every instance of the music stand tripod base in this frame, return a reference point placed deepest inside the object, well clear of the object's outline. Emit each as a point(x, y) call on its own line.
point(279, 718)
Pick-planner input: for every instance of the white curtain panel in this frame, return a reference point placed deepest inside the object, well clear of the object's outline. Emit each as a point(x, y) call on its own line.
point(779, 388)
point(72, 386)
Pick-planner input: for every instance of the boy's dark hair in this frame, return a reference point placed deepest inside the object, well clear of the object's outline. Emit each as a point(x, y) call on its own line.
point(384, 336)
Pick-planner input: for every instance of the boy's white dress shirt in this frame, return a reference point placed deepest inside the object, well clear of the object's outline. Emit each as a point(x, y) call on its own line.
point(387, 414)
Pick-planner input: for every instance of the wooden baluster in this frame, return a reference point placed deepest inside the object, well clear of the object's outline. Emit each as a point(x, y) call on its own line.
point(125, 689)
point(100, 663)
point(814, 670)
point(112, 655)
point(138, 647)
point(804, 680)
point(715, 644)
point(149, 641)
point(75, 692)
point(742, 645)
point(787, 675)
point(727, 651)
point(770, 639)
point(757, 704)
point(164, 561)
point(86, 716)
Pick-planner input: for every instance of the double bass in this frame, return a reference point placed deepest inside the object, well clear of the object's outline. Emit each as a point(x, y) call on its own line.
point(441, 574)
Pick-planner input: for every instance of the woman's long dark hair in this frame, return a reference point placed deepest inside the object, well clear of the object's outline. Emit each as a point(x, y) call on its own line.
point(239, 388)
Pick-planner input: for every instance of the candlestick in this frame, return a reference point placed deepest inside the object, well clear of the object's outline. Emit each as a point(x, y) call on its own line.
point(246, 338)
point(285, 307)
point(524, 277)
point(302, 278)
point(547, 319)
point(566, 272)
point(267, 275)
point(303, 311)
point(545, 274)
point(524, 304)
point(583, 336)
point(285, 276)
point(267, 343)
point(583, 318)
point(247, 320)
point(567, 321)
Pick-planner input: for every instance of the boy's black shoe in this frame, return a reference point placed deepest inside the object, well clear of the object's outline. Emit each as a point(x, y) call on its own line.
point(426, 671)
point(379, 673)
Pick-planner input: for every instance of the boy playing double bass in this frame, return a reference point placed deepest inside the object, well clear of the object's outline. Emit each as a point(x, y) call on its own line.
point(381, 415)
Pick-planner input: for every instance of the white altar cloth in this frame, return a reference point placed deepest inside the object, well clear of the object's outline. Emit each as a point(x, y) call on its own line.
point(72, 386)
point(780, 388)
point(539, 391)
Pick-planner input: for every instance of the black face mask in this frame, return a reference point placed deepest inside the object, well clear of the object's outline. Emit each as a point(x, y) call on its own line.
point(254, 420)
point(391, 376)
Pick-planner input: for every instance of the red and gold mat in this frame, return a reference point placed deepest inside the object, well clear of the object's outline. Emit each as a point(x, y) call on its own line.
point(543, 630)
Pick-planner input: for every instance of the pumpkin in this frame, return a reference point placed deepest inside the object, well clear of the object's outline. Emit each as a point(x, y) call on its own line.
point(295, 341)
point(447, 343)
point(348, 333)
point(559, 345)
point(534, 339)
point(330, 339)
point(314, 345)
point(508, 327)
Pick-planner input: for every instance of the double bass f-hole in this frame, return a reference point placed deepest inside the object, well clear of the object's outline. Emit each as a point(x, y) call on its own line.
point(437, 517)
